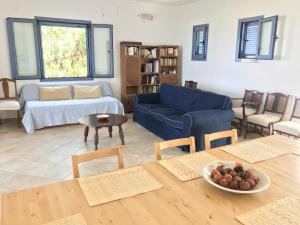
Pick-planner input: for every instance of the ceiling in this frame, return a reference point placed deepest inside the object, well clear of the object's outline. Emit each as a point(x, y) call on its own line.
point(169, 2)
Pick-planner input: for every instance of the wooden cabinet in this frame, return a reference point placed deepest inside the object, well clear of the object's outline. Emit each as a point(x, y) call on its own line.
point(144, 68)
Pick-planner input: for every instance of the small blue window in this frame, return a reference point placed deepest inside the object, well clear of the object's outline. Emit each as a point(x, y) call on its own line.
point(256, 38)
point(200, 41)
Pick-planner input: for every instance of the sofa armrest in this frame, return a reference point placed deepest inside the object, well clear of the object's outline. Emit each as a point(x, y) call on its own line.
point(151, 98)
point(200, 123)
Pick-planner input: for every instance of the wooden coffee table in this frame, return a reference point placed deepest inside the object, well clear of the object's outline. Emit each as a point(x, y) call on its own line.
point(113, 120)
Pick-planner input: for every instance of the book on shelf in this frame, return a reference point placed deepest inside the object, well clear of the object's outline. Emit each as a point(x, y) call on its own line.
point(170, 51)
point(168, 62)
point(132, 51)
point(165, 52)
point(175, 51)
point(150, 80)
point(151, 67)
point(149, 53)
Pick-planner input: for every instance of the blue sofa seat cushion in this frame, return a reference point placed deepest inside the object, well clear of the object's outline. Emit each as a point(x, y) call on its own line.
point(145, 108)
point(162, 112)
point(175, 121)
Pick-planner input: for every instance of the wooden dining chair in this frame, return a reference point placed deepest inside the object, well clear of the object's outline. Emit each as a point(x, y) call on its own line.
point(208, 138)
point(274, 110)
point(251, 103)
point(174, 143)
point(9, 100)
point(76, 159)
point(190, 84)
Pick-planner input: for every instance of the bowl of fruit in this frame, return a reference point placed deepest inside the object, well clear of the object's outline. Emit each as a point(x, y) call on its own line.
point(236, 177)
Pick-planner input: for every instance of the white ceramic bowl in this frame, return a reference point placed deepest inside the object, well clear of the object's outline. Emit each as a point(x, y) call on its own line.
point(263, 184)
point(102, 116)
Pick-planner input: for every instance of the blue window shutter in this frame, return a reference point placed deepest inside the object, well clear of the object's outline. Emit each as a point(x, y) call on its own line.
point(251, 39)
point(267, 38)
point(16, 73)
point(247, 44)
point(110, 52)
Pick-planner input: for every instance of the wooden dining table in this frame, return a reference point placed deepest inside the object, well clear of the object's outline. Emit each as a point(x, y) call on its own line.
point(182, 203)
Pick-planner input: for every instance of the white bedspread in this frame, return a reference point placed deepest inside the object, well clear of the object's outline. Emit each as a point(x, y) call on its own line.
point(39, 114)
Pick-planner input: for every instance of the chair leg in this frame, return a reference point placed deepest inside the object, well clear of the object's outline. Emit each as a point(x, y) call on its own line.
point(241, 127)
point(19, 118)
point(270, 130)
point(246, 131)
point(262, 131)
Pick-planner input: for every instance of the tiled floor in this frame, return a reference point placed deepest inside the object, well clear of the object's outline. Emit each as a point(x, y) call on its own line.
point(28, 160)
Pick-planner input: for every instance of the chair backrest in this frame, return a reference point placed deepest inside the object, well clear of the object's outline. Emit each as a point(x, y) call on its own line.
point(253, 96)
point(190, 84)
point(276, 103)
point(5, 88)
point(208, 138)
point(296, 110)
point(76, 159)
point(174, 143)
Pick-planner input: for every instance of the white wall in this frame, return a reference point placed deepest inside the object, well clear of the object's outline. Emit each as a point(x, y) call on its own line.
point(121, 13)
point(173, 25)
point(221, 73)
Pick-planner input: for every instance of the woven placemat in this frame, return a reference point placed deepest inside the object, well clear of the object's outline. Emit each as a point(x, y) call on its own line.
point(116, 185)
point(188, 167)
point(254, 151)
point(285, 211)
point(76, 219)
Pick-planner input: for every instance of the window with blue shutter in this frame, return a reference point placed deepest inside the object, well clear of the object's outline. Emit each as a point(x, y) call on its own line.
point(59, 49)
point(200, 40)
point(256, 38)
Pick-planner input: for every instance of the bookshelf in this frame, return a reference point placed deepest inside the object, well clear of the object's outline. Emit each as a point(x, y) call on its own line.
point(145, 67)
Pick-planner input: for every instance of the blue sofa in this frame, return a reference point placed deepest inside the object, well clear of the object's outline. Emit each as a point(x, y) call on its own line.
point(178, 112)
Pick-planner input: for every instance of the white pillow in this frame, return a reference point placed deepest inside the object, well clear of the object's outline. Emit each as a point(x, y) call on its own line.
point(83, 92)
point(55, 93)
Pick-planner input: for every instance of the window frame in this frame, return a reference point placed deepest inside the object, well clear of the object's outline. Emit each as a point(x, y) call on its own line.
point(197, 28)
point(239, 56)
point(240, 39)
point(274, 20)
point(12, 48)
point(64, 23)
point(49, 21)
point(93, 69)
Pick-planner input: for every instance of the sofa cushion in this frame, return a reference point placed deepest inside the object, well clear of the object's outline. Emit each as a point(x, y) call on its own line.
point(168, 95)
point(175, 121)
point(264, 119)
point(86, 92)
point(239, 112)
point(145, 108)
point(162, 112)
point(185, 98)
point(288, 127)
point(208, 100)
point(55, 93)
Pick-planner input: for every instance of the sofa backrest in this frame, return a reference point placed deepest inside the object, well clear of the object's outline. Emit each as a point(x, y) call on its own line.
point(188, 100)
point(31, 92)
point(208, 100)
point(168, 95)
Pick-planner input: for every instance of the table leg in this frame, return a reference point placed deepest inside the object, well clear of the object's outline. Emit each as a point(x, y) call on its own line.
point(96, 138)
point(86, 133)
point(121, 134)
point(110, 131)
